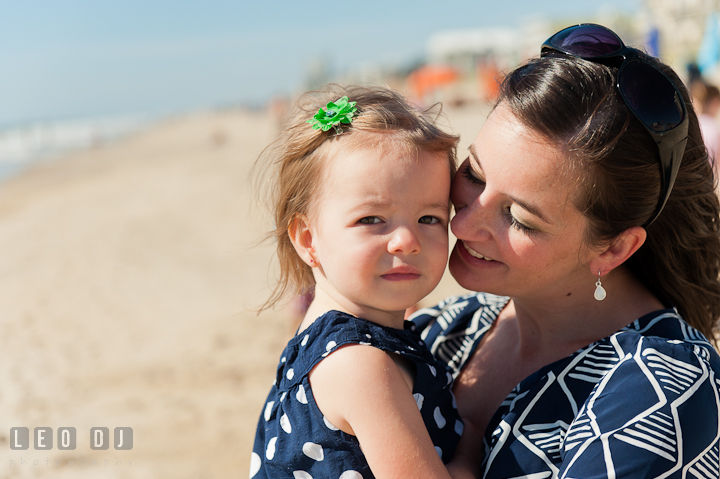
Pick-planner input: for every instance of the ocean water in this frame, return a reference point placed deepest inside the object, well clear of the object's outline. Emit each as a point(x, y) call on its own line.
point(24, 144)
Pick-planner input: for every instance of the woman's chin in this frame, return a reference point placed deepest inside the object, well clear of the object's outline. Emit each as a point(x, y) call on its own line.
point(462, 274)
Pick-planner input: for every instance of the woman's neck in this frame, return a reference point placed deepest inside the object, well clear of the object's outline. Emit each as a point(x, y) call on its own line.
point(560, 326)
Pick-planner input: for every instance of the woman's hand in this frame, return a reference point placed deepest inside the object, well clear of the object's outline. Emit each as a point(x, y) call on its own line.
point(468, 456)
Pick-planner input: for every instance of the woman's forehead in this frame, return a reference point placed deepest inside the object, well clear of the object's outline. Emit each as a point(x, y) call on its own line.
point(521, 164)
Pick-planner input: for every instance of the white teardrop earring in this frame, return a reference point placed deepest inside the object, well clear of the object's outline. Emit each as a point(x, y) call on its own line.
point(599, 290)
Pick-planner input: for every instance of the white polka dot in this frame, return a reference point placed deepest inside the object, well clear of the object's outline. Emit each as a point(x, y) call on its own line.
point(454, 402)
point(268, 410)
point(305, 340)
point(439, 451)
point(439, 419)
point(459, 427)
point(330, 346)
point(419, 400)
point(270, 451)
point(449, 378)
point(283, 359)
point(255, 464)
point(301, 475)
point(330, 425)
point(285, 424)
point(351, 475)
point(290, 373)
point(432, 370)
point(369, 336)
point(313, 451)
point(282, 396)
point(364, 343)
point(301, 395)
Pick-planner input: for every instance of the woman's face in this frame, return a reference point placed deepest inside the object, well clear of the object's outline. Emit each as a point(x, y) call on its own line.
point(518, 232)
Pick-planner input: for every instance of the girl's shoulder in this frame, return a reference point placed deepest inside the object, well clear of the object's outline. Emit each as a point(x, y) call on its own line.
point(336, 329)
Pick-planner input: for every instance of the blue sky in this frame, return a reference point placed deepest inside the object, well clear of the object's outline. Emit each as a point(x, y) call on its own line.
point(72, 58)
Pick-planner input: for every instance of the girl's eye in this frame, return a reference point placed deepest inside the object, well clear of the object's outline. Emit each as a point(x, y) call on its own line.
point(517, 225)
point(429, 220)
point(369, 220)
point(468, 173)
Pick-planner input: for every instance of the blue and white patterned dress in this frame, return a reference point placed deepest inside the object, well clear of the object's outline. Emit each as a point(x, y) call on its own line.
point(294, 439)
point(643, 402)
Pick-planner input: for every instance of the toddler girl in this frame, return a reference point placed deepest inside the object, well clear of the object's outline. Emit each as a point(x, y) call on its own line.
point(360, 188)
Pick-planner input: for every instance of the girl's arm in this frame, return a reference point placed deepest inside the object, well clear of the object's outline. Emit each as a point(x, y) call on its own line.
point(363, 392)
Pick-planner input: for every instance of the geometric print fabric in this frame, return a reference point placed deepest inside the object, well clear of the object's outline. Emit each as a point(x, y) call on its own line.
point(643, 402)
point(294, 439)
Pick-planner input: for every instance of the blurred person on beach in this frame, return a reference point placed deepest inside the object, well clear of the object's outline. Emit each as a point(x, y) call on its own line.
point(707, 102)
point(359, 181)
point(587, 220)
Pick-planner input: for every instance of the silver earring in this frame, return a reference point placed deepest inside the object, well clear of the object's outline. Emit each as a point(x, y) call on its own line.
point(599, 290)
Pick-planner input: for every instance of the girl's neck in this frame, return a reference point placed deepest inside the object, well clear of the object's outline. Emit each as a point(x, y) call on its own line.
point(323, 302)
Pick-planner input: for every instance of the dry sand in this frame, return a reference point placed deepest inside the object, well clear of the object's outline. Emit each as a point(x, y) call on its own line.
point(127, 273)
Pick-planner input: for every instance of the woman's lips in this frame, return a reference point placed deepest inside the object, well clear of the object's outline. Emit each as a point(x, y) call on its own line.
point(474, 253)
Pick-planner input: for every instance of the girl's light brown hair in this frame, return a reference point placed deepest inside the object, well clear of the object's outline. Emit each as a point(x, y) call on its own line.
point(290, 170)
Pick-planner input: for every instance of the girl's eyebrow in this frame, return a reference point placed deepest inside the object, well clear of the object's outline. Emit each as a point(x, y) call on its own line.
point(529, 207)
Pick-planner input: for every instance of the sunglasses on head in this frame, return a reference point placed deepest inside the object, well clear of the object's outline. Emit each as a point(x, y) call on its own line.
point(649, 94)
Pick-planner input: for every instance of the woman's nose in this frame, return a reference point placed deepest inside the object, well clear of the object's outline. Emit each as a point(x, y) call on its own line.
point(403, 241)
point(472, 221)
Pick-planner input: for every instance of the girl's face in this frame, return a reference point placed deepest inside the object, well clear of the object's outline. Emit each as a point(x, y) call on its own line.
point(379, 228)
point(518, 232)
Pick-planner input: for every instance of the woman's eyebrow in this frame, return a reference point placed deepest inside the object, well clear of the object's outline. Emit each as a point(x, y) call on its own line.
point(532, 209)
point(474, 155)
point(529, 207)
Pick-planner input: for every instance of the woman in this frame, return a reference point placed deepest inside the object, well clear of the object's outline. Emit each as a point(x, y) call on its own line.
point(586, 215)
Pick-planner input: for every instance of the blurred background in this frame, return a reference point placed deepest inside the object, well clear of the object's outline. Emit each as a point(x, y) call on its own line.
point(77, 73)
point(131, 256)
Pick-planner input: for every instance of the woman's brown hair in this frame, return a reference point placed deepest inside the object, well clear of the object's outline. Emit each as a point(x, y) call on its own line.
point(290, 170)
point(576, 105)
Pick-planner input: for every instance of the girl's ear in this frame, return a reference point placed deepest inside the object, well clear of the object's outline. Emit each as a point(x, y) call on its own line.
point(619, 250)
point(302, 239)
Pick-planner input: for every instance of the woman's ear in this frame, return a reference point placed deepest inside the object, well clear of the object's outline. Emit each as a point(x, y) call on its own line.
point(619, 250)
point(302, 239)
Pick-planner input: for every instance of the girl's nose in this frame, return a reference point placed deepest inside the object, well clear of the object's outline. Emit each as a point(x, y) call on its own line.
point(403, 241)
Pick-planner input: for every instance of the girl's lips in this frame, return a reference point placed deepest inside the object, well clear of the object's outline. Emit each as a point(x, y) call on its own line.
point(400, 276)
point(401, 273)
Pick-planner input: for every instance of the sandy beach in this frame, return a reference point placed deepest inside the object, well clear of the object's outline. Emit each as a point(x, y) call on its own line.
point(128, 275)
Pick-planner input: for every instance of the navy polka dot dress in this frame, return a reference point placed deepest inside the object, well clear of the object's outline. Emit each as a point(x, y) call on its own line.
point(294, 439)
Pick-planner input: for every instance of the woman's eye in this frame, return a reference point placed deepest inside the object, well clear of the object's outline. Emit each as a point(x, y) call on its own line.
point(369, 220)
point(468, 173)
point(517, 225)
point(429, 220)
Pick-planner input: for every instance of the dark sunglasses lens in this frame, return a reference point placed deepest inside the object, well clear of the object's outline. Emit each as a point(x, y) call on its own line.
point(586, 41)
point(651, 96)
